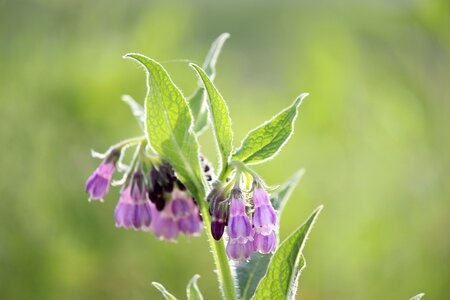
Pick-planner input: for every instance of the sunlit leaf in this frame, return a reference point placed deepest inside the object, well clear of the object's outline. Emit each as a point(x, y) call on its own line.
point(280, 281)
point(197, 100)
point(169, 124)
point(265, 141)
point(219, 115)
point(193, 292)
point(164, 292)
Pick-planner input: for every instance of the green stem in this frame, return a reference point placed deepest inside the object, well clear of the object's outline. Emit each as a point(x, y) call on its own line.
point(220, 257)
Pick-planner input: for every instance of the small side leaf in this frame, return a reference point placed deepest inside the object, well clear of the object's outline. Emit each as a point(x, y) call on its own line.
point(219, 115)
point(197, 100)
point(265, 141)
point(418, 296)
point(283, 193)
point(193, 292)
point(168, 124)
point(164, 292)
point(280, 281)
point(250, 273)
point(137, 110)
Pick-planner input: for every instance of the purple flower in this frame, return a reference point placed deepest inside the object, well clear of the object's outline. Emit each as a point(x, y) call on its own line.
point(265, 219)
point(164, 224)
point(98, 183)
point(265, 222)
point(239, 245)
point(264, 243)
point(133, 209)
point(186, 213)
point(238, 251)
point(179, 215)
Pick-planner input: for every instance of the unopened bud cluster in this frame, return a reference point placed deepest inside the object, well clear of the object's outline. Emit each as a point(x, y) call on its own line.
point(150, 201)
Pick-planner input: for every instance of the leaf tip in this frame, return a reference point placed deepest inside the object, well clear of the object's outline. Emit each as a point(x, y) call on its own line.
point(224, 36)
point(300, 98)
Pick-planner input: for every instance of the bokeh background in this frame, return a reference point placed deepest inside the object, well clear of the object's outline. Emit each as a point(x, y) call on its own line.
point(373, 137)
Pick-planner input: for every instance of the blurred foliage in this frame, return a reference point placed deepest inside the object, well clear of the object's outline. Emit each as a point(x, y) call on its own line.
point(374, 137)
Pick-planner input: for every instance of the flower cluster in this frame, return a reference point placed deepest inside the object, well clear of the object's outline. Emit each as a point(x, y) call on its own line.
point(150, 201)
point(252, 226)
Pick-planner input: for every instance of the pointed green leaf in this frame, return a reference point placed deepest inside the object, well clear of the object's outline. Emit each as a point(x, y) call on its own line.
point(197, 100)
point(265, 141)
point(219, 115)
point(137, 110)
point(418, 296)
point(164, 292)
point(169, 124)
point(193, 292)
point(250, 273)
point(280, 281)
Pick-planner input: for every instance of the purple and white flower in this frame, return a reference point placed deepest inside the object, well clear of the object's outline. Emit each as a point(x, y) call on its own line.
point(179, 215)
point(98, 183)
point(239, 245)
point(265, 222)
point(133, 209)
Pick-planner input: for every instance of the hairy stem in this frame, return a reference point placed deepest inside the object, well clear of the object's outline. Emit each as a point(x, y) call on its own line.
point(220, 257)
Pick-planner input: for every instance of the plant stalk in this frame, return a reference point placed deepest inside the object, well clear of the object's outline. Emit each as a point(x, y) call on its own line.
point(226, 280)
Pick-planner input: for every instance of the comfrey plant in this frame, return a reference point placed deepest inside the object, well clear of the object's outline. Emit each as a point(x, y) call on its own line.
point(169, 188)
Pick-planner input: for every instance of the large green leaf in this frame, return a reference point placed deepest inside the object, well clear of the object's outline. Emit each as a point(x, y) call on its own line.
point(197, 100)
point(164, 292)
point(169, 124)
point(193, 292)
point(280, 281)
point(265, 141)
point(219, 115)
point(250, 273)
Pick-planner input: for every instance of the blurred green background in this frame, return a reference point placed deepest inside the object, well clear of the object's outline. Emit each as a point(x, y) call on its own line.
point(373, 137)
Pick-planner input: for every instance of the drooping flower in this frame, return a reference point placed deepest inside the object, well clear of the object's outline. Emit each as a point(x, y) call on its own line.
point(98, 183)
point(164, 224)
point(264, 243)
point(265, 222)
point(239, 245)
point(133, 209)
point(186, 213)
point(179, 214)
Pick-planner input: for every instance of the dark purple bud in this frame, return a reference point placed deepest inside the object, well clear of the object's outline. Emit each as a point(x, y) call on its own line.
point(218, 209)
point(219, 221)
point(180, 185)
point(98, 183)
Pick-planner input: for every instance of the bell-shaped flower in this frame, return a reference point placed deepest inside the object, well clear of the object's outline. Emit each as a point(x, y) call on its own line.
point(133, 209)
point(239, 245)
point(98, 183)
point(265, 222)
